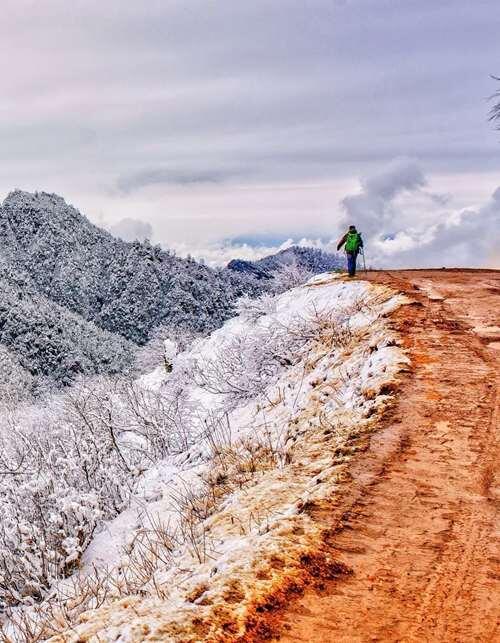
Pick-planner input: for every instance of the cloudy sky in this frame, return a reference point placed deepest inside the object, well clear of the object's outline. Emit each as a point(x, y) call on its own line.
point(231, 127)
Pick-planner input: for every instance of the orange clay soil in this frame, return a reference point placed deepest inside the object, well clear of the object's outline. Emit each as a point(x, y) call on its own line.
point(414, 533)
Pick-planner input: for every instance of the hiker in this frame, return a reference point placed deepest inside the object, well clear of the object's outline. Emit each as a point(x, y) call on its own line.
point(353, 243)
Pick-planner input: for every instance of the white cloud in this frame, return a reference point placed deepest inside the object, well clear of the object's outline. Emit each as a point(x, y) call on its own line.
point(434, 234)
point(372, 208)
point(212, 120)
point(219, 254)
point(403, 223)
point(130, 229)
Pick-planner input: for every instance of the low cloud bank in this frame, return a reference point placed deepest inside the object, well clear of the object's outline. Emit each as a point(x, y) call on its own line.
point(403, 222)
point(221, 253)
point(405, 225)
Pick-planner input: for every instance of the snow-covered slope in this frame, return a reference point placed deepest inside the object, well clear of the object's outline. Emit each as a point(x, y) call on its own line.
point(270, 406)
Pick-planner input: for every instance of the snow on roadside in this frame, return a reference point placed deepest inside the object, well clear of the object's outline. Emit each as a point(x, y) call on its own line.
point(229, 510)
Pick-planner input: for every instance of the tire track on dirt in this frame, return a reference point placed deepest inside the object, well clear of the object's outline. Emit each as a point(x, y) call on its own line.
point(419, 524)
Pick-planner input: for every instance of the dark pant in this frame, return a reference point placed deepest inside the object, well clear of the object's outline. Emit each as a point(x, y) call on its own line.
point(351, 263)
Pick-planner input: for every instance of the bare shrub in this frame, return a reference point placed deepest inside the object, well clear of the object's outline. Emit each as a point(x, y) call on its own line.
point(290, 276)
point(252, 309)
point(243, 367)
point(157, 423)
point(64, 471)
point(152, 354)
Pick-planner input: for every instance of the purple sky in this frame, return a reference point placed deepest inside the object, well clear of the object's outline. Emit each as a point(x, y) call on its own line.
point(225, 128)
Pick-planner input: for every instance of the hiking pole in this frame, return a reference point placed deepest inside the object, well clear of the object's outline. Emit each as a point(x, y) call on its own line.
point(364, 262)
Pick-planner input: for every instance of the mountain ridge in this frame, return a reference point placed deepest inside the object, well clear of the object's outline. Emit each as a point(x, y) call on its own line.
point(312, 259)
point(62, 277)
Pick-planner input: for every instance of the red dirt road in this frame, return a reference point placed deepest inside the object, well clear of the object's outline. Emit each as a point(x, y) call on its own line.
point(419, 521)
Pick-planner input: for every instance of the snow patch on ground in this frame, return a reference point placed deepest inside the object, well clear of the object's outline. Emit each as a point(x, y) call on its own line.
point(318, 365)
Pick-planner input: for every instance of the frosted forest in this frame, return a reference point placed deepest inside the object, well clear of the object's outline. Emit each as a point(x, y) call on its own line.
point(108, 352)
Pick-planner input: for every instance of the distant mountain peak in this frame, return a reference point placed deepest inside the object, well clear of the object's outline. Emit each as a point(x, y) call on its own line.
point(313, 259)
point(35, 199)
point(34, 217)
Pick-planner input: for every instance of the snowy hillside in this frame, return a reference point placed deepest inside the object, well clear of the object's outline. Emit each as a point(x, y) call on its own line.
point(124, 288)
point(250, 428)
point(69, 290)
